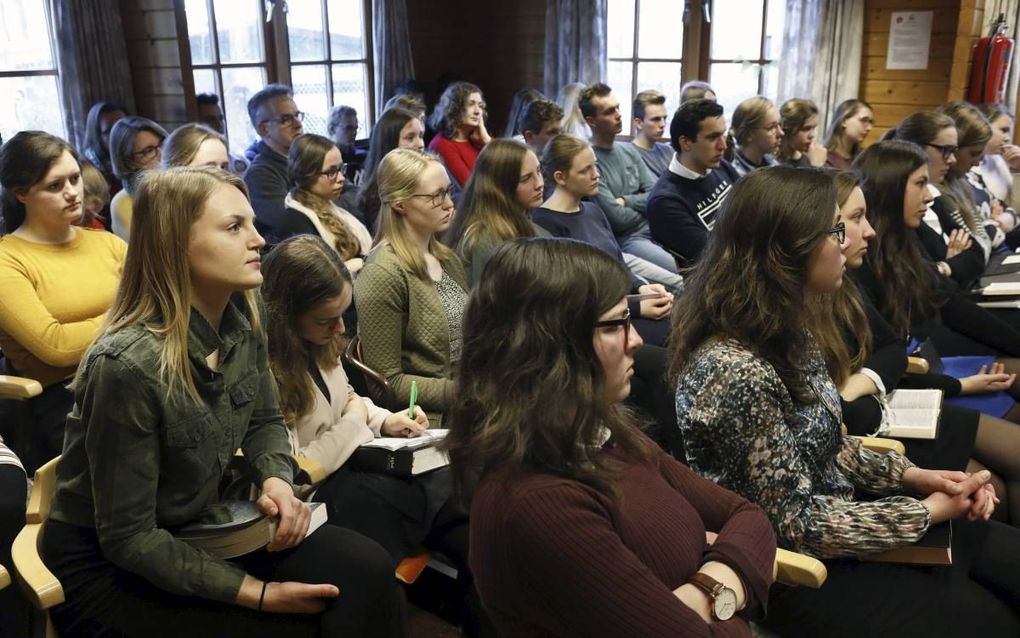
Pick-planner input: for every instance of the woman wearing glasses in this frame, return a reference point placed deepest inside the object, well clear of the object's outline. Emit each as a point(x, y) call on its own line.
point(580, 525)
point(755, 134)
point(955, 247)
point(136, 145)
point(315, 170)
point(411, 293)
point(760, 415)
point(57, 281)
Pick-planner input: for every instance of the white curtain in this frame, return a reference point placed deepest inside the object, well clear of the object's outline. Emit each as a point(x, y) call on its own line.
point(575, 42)
point(822, 45)
point(391, 48)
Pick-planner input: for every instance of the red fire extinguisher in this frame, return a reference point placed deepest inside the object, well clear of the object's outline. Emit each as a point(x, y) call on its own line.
point(991, 63)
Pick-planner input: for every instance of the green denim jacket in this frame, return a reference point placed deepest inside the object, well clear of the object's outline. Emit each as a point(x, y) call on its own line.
point(138, 462)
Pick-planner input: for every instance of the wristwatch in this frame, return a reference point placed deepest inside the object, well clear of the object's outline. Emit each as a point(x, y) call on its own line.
point(723, 599)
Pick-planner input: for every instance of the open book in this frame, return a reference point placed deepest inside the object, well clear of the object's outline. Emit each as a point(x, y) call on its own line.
point(402, 456)
point(913, 414)
point(236, 528)
point(1000, 289)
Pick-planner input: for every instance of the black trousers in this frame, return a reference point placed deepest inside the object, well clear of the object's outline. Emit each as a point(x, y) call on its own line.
point(979, 595)
point(103, 600)
point(15, 612)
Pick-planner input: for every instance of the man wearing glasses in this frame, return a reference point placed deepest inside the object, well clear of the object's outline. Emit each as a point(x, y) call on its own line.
point(277, 120)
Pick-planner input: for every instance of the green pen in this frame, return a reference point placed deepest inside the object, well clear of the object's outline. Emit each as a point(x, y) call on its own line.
point(414, 398)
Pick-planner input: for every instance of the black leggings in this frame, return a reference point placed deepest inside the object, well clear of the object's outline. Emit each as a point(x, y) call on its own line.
point(979, 595)
point(104, 600)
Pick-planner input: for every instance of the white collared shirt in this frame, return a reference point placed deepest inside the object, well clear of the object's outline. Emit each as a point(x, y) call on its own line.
point(679, 169)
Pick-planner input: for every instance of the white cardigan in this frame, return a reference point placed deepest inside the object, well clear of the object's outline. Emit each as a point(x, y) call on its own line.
point(328, 438)
point(353, 224)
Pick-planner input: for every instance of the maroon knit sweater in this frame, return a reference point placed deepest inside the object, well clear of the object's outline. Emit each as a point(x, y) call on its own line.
point(553, 557)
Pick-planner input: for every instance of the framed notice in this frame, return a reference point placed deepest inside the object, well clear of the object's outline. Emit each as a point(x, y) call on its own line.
point(909, 40)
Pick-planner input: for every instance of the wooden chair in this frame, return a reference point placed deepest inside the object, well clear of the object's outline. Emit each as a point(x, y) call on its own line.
point(378, 387)
point(917, 365)
point(5, 577)
point(39, 584)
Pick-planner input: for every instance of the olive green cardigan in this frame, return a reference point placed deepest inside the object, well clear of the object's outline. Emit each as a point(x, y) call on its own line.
point(403, 329)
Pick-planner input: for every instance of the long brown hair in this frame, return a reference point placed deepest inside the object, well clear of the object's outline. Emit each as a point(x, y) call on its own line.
point(794, 114)
point(488, 209)
point(845, 110)
point(894, 257)
point(304, 167)
point(749, 284)
point(24, 161)
point(544, 407)
point(972, 128)
point(840, 316)
point(300, 273)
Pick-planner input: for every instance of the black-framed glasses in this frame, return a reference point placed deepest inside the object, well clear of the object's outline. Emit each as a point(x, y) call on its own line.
point(287, 119)
point(612, 323)
point(333, 171)
point(438, 198)
point(839, 232)
point(148, 152)
point(947, 150)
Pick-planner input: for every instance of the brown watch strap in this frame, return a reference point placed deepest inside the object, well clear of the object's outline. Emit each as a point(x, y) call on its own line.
point(706, 583)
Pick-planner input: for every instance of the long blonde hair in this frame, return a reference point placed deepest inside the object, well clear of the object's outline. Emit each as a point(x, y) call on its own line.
point(181, 146)
point(748, 116)
point(399, 175)
point(155, 288)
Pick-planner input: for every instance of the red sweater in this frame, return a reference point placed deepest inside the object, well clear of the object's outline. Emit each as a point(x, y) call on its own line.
point(553, 557)
point(459, 157)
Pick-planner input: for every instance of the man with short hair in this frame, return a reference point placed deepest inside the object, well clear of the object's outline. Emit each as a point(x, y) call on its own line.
point(683, 205)
point(342, 127)
point(649, 120)
point(625, 180)
point(538, 123)
point(277, 120)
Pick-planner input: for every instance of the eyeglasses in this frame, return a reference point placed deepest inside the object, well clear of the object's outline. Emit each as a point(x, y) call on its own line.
point(349, 128)
point(287, 119)
point(839, 232)
point(148, 152)
point(612, 323)
point(333, 171)
point(438, 198)
point(947, 150)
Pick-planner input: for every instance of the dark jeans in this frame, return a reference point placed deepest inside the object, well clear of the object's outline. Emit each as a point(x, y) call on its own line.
point(104, 600)
point(979, 595)
point(34, 429)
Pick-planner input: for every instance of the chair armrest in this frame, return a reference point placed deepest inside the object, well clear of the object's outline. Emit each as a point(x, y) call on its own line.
point(883, 446)
point(917, 365)
point(800, 570)
point(310, 470)
point(352, 356)
point(39, 584)
point(18, 388)
point(5, 577)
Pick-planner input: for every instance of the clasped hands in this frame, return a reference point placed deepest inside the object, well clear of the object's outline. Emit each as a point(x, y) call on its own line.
point(949, 494)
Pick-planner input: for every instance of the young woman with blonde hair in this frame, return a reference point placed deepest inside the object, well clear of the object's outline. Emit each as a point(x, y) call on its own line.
point(182, 354)
point(800, 125)
point(195, 145)
point(754, 136)
point(411, 293)
point(315, 172)
point(496, 204)
point(850, 124)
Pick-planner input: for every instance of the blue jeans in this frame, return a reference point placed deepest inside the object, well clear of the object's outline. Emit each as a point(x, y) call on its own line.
point(641, 244)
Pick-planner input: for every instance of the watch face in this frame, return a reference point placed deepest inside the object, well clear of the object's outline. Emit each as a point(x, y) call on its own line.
point(725, 604)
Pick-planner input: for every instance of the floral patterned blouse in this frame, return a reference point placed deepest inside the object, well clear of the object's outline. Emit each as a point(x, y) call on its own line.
point(743, 430)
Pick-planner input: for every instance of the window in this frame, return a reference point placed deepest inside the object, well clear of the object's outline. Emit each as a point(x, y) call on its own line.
point(328, 60)
point(228, 58)
point(746, 41)
point(652, 44)
point(29, 81)
point(233, 55)
point(646, 46)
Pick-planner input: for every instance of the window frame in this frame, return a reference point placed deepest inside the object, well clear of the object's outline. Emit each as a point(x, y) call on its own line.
point(53, 72)
point(761, 62)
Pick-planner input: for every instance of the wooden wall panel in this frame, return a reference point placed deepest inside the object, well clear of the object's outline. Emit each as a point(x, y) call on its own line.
point(154, 49)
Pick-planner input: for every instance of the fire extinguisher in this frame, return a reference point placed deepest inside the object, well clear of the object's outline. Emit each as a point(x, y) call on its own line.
point(992, 55)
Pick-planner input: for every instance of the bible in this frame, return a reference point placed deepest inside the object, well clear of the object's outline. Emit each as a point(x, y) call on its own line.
point(235, 528)
point(401, 456)
point(912, 414)
point(934, 548)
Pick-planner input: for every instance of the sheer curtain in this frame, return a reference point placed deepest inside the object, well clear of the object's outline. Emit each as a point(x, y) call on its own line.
point(391, 48)
point(822, 45)
point(93, 61)
point(575, 42)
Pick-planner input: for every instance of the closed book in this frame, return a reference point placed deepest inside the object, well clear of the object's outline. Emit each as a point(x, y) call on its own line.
point(934, 548)
point(401, 456)
point(913, 414)
point(235, 528)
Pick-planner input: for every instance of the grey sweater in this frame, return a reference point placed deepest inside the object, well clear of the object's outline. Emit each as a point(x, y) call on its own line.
point(625, 175)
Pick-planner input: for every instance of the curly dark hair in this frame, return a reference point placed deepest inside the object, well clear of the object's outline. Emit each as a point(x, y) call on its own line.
point(446, 116)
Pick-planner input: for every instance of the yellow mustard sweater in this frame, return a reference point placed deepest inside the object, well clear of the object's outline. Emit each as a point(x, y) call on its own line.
point(53, 298)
